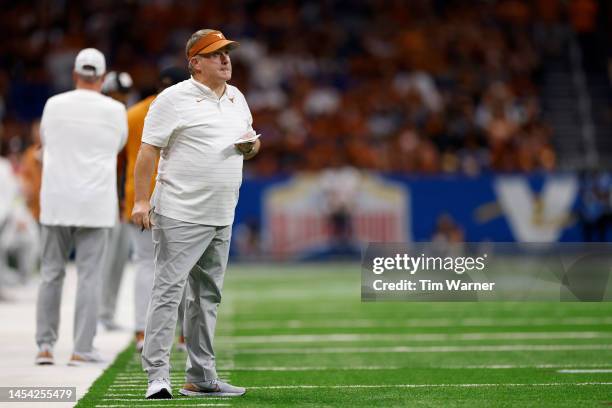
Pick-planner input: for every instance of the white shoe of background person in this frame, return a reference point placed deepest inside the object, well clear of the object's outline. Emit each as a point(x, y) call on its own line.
point(79, 359)
point(45, 355)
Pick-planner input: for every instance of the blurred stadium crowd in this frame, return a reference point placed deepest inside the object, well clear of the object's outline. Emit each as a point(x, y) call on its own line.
point(422, 86)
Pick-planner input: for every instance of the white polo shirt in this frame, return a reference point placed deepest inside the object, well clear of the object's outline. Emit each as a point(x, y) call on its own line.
point(200, 170)
point(81, 132)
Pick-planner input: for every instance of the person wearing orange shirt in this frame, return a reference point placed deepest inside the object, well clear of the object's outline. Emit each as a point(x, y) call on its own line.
point(22, 226)
point(142, 243)
point(30, 172)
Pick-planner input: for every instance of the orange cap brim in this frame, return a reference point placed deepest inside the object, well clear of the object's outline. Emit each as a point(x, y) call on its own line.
point(218, 45)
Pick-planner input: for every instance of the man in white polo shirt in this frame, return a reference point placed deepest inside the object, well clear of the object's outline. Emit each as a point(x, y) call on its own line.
point(81, 132)
point(203, 128)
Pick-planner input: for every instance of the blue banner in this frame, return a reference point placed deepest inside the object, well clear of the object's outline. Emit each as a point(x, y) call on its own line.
point(292, 217)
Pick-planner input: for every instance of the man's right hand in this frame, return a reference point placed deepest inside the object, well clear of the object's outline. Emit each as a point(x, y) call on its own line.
point(141, 214)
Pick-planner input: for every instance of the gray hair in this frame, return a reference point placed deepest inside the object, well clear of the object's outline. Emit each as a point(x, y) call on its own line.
point(192, 40)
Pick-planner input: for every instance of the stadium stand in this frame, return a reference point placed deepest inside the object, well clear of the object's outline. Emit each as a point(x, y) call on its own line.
point(418, 87)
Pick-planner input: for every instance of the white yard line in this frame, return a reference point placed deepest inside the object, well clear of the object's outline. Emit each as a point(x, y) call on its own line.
point(600, 366)
point(585, 371)
point(350, 386)
point(410, 385)
point(434, 322)
point(142, 398)
point(316, 368)
point(352, 337)
point(140, 395)
point(144, 381)
point(132, 387)
point(125, 394)
point(432, 349)
point(149, 404)
point(490, 366)
point(511, 366)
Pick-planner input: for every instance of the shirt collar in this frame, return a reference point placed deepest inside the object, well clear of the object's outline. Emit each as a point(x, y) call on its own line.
point(209, 92)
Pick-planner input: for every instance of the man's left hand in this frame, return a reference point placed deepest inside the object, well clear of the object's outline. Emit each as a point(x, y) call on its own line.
point(245, 148)
point(249, 149)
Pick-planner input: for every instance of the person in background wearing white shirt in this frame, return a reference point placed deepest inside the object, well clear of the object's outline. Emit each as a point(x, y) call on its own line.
point(203, 128)
point(81, 132)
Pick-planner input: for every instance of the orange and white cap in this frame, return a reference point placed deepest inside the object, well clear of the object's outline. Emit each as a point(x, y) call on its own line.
point(211, 42)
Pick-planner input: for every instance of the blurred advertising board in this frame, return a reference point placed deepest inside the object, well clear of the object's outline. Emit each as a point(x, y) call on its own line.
point(339, 211)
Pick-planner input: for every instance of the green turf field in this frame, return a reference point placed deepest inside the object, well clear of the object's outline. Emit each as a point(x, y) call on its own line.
point(299, 336)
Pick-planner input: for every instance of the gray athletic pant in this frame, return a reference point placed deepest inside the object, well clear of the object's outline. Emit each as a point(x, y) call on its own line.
point(143, 257)
point(197, 254)
point(57, 243)
point(116, 257)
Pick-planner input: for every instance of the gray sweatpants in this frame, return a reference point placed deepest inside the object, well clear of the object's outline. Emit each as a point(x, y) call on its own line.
point(116, 257)
point(57, 243)
point(197, 254)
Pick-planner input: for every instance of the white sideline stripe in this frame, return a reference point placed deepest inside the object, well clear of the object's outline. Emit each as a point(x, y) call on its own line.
point(433, 349)
point(316, 368)
point(173, 375)
point(448, 367)
point(349, 386)
point(119, 387)
point(345, 337)
point(142, 397)
point(129, 380)
point(126, 394)
point(585, 371)
point(418, 385)
point(144, 380)
point(141, 373)
point(506, 366)
point(165, 405)
point(144, 376)
point(135, 386)
point(129, 387)
point(524, 321)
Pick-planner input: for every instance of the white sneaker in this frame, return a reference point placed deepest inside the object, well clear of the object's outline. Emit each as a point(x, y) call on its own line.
point(159, 388)
point(213, 388)
point(79, 359)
